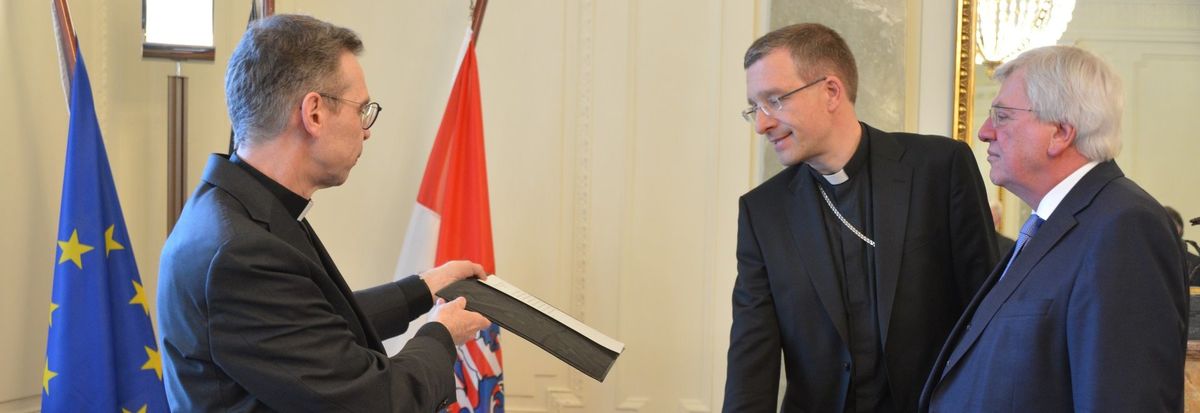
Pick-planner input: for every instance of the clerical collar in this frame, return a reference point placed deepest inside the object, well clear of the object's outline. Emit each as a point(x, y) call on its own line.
point(295, 205)
point(837, 178)
point(854, 166)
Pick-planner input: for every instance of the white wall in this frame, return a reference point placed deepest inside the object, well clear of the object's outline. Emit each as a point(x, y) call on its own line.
point(615, 150)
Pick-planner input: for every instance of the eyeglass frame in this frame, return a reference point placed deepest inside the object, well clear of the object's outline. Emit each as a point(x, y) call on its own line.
point(777, 102)
point(365, 109)
point(1003, 122)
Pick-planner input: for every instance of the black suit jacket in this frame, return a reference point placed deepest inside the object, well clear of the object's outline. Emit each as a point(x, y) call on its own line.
point(1004, 245)
point(1092, 315)
point(254, 318)
point(935, 247)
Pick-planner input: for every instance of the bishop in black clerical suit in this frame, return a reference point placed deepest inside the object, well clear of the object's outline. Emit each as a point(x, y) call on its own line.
point(856, 260)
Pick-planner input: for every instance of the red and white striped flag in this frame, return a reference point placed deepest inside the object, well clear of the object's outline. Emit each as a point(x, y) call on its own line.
point(451, 221)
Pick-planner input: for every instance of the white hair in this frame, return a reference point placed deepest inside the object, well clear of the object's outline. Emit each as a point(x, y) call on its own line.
point(1066, 84)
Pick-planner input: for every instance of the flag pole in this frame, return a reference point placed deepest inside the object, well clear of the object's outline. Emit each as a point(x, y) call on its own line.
point(477, 18)
point(176, 115)
point(64, 32)
point(176, 145)
point(95, 271)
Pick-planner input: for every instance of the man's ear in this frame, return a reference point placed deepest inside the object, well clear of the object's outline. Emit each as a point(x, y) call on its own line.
point(312, 107)
point(833, 89)
point(1062, 139)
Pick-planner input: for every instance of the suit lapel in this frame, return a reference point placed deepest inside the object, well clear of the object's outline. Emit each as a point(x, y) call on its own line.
point(1060, 223)
point(891, 184)
point(940, 366)
point(1033, 252)
point(362, 328)
point(293, 234)
point(264, 208)
point(808, 230)
point(260, 204)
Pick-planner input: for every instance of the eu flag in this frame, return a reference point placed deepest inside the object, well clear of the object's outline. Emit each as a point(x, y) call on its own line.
point(101, 354)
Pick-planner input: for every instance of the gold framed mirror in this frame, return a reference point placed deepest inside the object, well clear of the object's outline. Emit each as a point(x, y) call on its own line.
point(964, 73)
point(1006, 208)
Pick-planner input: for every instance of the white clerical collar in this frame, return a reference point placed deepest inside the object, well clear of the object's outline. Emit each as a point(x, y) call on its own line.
point(305, 211)
point(1055, 196)
point(837, 178)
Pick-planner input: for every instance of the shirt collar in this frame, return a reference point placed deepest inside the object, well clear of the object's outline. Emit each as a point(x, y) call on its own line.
point(837, 178)
point(854, 166)
point(296, 206)
point(1055, 196)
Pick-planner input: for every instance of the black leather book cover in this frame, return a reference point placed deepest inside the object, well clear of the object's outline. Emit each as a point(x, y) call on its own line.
point(569, 345)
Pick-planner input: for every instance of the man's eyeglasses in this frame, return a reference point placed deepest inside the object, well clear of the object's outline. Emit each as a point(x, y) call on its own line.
point(1002, 117)
point(776, 103)
point(367, 112)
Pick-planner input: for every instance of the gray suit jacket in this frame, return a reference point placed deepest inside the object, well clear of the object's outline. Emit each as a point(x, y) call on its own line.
point(252, 317)
point(1092, 315)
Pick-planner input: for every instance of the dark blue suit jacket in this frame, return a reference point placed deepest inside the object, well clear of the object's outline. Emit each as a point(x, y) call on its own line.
point(1090, 317)
point(935, 247)
point(254, 317)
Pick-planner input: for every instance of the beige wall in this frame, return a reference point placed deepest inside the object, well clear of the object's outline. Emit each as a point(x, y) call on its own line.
point(615, 150)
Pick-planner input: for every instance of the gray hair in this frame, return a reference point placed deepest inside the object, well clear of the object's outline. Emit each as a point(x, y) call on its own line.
point(816, 50)
point(278, 60)
point(1070, 85)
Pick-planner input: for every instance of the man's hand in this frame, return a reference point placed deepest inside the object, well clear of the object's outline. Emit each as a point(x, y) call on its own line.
point(450, 272)
point(463, 324)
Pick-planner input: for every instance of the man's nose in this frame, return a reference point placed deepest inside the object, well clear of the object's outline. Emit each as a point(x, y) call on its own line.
point(763, 122)
point(987, 133)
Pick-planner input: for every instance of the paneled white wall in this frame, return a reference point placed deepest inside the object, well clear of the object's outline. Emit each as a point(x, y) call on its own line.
point(1154, 45)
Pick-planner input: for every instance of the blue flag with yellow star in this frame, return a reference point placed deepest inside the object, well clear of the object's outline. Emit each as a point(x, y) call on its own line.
point(101, 354)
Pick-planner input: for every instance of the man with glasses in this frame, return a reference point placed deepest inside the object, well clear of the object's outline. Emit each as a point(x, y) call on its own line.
point(253, 313)
point(1088, 312)
point(855, 261)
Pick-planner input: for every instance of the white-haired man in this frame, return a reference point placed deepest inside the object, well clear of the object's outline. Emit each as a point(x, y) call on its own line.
point(1088, 312)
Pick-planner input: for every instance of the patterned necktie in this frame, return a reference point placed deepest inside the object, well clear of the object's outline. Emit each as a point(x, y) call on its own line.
point(1027, 230)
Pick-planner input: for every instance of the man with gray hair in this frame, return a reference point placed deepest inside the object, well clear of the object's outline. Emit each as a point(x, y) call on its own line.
point(1088, 312)
point(253, 314)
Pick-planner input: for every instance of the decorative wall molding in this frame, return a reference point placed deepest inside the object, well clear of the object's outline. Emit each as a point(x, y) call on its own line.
point(584, 113)
point(27, 404)
point(692, 406)
point(1135, 66)
point(1131, 35)
point(633, 404)
point(563, 400)
point(1139, 16)
point(1137, 22)
point(555, 398)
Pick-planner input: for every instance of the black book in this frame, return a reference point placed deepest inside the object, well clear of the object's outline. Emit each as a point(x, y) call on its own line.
point(572, 341)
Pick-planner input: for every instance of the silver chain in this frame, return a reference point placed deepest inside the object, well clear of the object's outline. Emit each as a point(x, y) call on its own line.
point(844, 222)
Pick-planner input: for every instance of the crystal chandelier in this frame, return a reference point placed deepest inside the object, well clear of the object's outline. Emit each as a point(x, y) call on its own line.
point(1005, 28)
